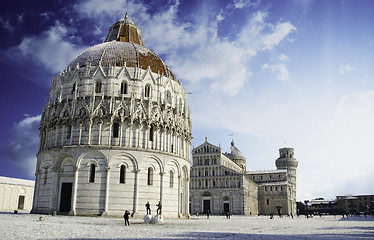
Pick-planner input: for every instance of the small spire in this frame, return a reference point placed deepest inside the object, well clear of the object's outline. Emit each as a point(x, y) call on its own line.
point(206, 139)
point(126, 15)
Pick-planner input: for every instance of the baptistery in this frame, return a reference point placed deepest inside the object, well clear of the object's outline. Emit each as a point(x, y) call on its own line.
point(115, 133)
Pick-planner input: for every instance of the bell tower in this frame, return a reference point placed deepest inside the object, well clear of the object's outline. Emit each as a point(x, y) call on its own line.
point(287, 161)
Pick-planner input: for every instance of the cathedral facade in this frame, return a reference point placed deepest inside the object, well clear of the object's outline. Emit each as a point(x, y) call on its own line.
point(115, 133)
point(221, 183)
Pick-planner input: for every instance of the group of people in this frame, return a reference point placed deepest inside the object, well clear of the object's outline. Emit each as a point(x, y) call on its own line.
point(148, 208)
point(126, 214)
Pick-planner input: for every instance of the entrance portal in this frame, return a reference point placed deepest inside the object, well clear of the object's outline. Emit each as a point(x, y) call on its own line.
point(206, 206)
point(21, 201)
point(65, 199)
point(226, 207)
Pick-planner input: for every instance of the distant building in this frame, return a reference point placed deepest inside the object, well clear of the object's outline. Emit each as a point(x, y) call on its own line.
point(221, 183)
point(16, 194)
point(319, 206)
point(354, 204)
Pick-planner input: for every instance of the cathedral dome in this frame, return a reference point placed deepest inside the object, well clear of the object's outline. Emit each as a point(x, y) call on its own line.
point(123, 46)
point(235, 152)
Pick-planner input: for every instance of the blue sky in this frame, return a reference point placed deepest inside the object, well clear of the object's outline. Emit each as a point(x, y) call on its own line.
point(268, 74)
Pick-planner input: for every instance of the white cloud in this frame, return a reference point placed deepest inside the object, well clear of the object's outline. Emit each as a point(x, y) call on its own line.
point(23, 145)
point(281, 30)
point(345, 69)
point(280, 69)
point(221, 64)
point(96, 9)
point(51, 48)
point(220, 17)
point(244, 3)
point(284, 57)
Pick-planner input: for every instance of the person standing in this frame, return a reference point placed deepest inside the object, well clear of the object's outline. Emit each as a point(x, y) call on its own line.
point(148, 207)
point(159, 207)
point(126, 217)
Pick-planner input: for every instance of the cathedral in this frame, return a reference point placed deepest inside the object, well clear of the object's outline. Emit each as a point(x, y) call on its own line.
point(220, 183)
point(115, 133)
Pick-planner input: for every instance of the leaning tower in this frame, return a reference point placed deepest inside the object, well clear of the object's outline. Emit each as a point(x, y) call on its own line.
point(114, 133)
point(287, 161)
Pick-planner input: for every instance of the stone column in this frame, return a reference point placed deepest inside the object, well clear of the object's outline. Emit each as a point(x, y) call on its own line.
point(74, 193)
point(120, 133)
point(161, 185)
point(56, 135)
point(136, 191)
point(63, 135)
point(138, 132)
point(36, 191)
point(80, 133)
point(130, 130)
point(186, 196)
point(179, 195)
point(110, 132)
point(100, 125)
point(54, 190)
point(71, 133)
point(147, 134)
point(89, 132)
point(105, 213)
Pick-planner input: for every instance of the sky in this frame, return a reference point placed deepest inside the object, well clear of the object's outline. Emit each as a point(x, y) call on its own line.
point(266, 74)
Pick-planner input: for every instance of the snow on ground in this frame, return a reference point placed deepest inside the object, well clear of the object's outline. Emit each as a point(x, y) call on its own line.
point(28, 226)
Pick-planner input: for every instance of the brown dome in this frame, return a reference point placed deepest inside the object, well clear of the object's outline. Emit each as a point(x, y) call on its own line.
point(123, 46)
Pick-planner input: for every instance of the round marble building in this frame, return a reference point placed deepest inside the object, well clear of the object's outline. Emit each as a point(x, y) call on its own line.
point(115, 133)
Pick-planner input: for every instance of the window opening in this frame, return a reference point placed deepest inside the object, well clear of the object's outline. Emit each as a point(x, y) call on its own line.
point(123, 88)
point(115, 129)
point(122, 175)
point(150, 176)
point(92, 172)
point(98, 87)
point(171, 179)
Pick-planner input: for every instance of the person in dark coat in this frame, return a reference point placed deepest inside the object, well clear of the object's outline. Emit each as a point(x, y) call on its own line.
point(148, 207)
point(159, 207)
point(126, 217)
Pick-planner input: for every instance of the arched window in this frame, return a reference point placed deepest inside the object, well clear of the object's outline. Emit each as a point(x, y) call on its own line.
point(168, 97)
point(73, 89)
point(122, 174)
point(45, 175)
point(92, 172)
point(68, 133)
point(171, 179)
point(150, 176)
point(98, 87)
point(115, 129)
point(151, 130)
point(124, 87)
point(180, 105)
point(147, 91)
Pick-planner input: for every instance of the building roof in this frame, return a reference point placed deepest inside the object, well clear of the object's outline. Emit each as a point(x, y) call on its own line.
point(123, 46)
point(267, 171)
point(17, 181)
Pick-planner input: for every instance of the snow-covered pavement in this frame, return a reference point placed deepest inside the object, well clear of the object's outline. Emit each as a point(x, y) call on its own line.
point(28, 226)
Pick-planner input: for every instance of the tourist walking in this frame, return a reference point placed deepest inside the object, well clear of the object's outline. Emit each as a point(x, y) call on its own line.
point(148, 207)
point(159, 207)
point(126, 217)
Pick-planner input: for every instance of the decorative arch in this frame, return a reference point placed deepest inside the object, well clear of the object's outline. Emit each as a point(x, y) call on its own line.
point(157, 160)
point(126, 155)
point(172, 161)
point(88, 152)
